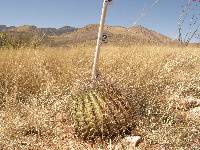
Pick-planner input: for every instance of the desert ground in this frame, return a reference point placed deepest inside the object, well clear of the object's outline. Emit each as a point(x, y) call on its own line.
point(162, 81)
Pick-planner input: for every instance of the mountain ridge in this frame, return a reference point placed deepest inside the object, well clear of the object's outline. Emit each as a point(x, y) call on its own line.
point(32, 28)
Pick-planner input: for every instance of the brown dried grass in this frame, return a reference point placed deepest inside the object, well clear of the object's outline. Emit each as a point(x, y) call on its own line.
point(35, 86)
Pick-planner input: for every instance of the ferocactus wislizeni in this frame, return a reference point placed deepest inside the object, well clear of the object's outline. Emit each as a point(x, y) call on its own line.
point(101, 112)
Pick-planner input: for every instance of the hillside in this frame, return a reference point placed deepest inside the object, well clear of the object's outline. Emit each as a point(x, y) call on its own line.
point(34, 29)
point(116, 35)
point(146, 87)
point(71, 35)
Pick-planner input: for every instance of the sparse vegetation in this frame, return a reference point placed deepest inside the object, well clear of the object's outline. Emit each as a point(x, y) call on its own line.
point(16, 40)
point(36, 87)
point(189, 25)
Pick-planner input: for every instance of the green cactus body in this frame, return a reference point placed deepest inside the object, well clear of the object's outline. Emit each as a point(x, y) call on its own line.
point(98, 115)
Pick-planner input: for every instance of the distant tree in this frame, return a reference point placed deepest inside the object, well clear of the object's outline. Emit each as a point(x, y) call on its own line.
point(189, 22)
point(3, 39)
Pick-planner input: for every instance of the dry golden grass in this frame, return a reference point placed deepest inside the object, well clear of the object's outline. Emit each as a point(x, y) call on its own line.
point(35, 86)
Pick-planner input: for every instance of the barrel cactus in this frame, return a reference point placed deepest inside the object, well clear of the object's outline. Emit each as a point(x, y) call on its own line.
point(100, 113)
